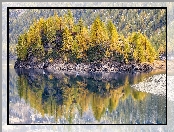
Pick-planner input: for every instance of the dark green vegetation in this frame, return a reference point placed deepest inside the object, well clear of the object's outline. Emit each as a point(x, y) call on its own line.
point(90, 35)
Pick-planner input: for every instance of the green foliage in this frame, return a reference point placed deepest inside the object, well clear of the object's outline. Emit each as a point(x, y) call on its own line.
point(151, 23)
point(67, 40)
point(143, 50)
point(98, 33)
point(60, 37)
point(95, 53)
point(22, 47)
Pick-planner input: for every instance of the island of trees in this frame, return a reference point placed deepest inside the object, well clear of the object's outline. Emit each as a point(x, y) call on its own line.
point(99, 47)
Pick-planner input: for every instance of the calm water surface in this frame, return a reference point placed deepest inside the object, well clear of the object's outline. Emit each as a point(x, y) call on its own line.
point(40, 97)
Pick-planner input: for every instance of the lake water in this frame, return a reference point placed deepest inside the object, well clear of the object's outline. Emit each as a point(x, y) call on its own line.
point(39, 97)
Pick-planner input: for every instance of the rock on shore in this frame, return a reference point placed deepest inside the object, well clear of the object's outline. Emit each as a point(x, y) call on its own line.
point(155, 85)
point(106, 67)
point(101, 67)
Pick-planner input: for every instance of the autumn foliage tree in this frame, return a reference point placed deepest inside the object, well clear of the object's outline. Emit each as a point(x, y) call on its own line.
point(61, 37)
point(142, 49)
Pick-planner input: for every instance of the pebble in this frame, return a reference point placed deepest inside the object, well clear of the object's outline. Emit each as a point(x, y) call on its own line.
point(155, 85)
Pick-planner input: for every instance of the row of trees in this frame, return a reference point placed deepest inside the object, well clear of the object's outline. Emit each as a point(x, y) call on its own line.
point(148, 21)
point(60, 37)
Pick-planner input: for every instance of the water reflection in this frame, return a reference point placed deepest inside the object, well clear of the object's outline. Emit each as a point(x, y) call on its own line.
point(76, 99)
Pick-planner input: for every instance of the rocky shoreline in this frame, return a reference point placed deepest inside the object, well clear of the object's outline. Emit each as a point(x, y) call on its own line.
point(155, 84)
point(106, 67)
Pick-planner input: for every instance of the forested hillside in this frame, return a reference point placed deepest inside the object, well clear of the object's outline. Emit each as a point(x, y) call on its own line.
point(151, 24)
point(67, 36)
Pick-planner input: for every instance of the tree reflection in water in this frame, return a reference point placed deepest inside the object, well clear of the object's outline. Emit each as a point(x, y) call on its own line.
point(69, 97)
